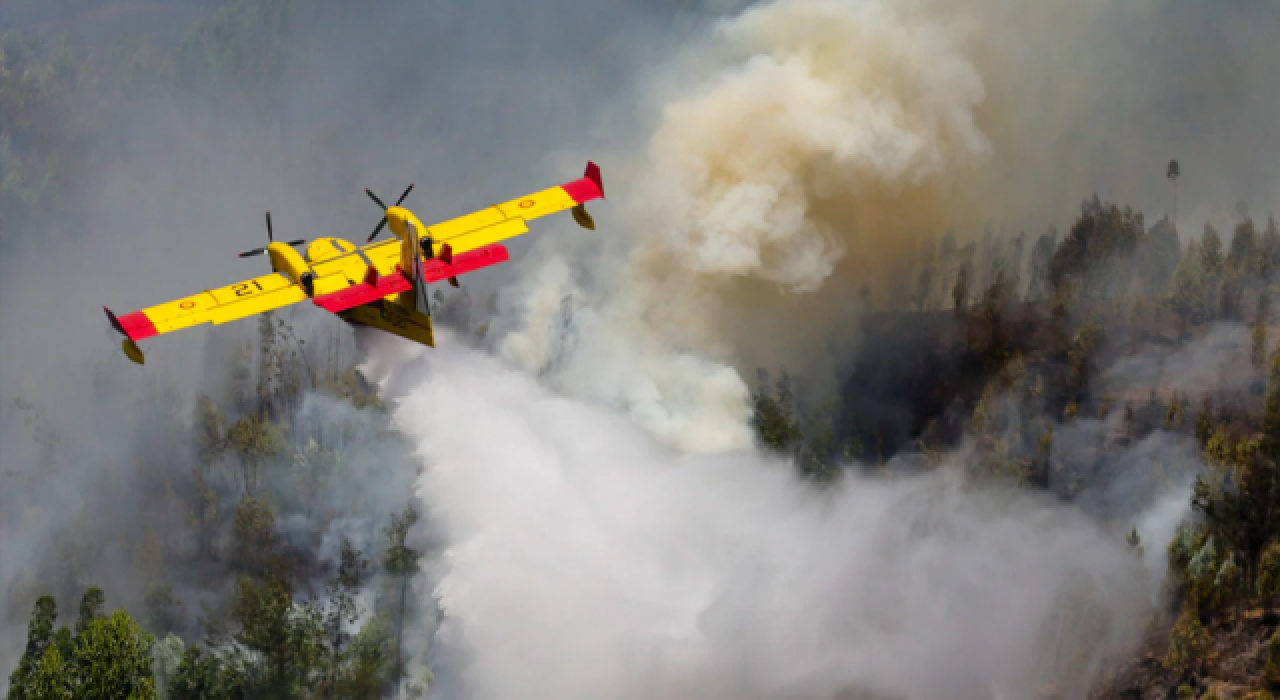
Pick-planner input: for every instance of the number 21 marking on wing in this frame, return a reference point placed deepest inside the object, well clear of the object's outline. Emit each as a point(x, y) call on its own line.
point(243, 290)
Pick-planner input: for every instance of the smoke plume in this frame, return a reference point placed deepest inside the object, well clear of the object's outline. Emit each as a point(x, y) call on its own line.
point(585, 559)
point(797, 153)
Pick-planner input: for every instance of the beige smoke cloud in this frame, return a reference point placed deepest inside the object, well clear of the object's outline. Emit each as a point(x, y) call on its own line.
point(800, 146)
point(763, 170)
point(804, 150)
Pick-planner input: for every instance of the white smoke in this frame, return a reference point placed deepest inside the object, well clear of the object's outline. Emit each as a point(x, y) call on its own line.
point(584, 559)
point(784, 140)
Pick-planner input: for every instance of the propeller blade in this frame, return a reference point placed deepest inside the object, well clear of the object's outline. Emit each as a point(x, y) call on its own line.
point(300, 241)
point(378, 230)
point(269, 238)
point(251, 253)
point(406, 194)
point(377, 201)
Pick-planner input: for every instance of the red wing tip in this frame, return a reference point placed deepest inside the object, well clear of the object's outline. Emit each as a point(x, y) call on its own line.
point(592, 173)
point(588, 187)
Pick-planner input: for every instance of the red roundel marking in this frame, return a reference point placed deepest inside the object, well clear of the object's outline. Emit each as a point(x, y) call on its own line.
point(526, 203)
point(187, 305)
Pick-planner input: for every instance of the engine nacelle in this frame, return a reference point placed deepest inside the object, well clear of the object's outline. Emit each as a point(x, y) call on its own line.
point(288, 262)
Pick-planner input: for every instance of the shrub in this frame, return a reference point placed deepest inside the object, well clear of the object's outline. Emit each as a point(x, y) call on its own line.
point(1269, 572)
point(1271, 674)
point(1188, 643)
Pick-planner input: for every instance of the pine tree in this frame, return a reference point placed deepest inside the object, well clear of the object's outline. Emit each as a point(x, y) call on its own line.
point(773, 414)
point(1258, 351)
point(39, 639)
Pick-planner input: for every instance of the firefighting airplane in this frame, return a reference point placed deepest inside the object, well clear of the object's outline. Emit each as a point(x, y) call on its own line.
point(376, 285)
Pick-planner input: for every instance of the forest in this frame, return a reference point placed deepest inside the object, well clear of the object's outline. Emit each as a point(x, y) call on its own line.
point(1019, 346)
point(274, 547)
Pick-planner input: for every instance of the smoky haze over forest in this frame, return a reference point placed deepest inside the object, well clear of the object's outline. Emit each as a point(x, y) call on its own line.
point(764, 164)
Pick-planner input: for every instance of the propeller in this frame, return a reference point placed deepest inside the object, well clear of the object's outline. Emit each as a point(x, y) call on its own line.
point(377, 201)
point(270, 239)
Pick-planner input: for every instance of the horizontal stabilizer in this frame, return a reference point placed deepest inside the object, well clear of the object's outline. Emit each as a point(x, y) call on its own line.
point(365, 292)
point(450, 266)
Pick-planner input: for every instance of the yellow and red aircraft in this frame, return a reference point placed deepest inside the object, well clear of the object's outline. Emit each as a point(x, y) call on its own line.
point(378, 284)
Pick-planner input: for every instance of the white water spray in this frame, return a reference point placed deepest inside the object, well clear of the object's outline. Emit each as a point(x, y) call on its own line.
point(584, 559)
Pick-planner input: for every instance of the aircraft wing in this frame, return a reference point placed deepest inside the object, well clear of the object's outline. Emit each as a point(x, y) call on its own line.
point(217, 306)
point(507, 220)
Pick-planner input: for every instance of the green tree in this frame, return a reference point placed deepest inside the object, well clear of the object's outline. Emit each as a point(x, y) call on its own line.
point(254, 440)
point(343, 610)
point(1197, 283)
point(366, 674)
point(773, 415)
point(161, 608)
point(53, 678)
point(39, 639)
point(1244, 254)
point(90, 608)
point(1157, 258)
point(1188, 643)
point(1134, 540)
point(210, 429)
point(1204, 422)
point(1211, 258)
point(203, 676)
point(1101, 241)
point(1080, 358)
point(1271, 673)
point(288, 637)
point(1269, 573)
point(1269, 250)
point(253, 538)
point(113, 660)
point(1232, 293)
point(402, 562)
point(1246, 516)
point(1258, 350)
